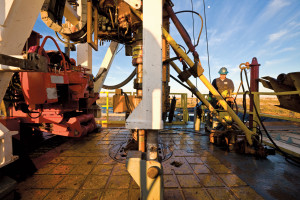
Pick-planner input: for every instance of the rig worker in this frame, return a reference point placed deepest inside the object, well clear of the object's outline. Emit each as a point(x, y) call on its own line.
point(222, 84)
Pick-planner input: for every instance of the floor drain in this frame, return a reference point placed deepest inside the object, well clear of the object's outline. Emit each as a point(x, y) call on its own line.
point(176, 163)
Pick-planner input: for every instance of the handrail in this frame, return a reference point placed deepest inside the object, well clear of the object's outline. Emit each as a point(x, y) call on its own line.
point(270, 93)
point(257, 94)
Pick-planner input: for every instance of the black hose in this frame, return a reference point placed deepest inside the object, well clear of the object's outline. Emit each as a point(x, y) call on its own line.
point(29, 115)
point(191, 11)
point(178, 81)
point(244, 98)
point(127, 101)
point(167, 61)
point(172, 109)
point(113, 87)
point(236, 107)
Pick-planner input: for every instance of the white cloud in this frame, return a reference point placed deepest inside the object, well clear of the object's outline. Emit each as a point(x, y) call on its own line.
point(287, 49)
point(276, 36)
point(270, 63)
point(294, 24)
point(204, 58)
point(198, 5)
point(274, 7)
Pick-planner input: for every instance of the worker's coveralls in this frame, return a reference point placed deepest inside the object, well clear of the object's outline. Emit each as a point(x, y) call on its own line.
point(221, 86)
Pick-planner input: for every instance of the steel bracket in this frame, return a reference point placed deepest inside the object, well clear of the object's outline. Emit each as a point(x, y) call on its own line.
point(34, 62)
point(140, 169)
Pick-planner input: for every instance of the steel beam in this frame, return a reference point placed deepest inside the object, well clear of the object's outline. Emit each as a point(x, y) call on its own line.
point(147, 115)
point(84, 56)
point(71, 14)
point(105, 66)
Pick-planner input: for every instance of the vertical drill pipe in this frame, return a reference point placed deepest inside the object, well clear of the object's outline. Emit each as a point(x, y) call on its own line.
point(152, 145)
point(141, 135)
point(166, 69)
point(185, 36)
point(137, 59)
point(199, 95)
point(210, 87)
point(139, 92)
point(254, 76)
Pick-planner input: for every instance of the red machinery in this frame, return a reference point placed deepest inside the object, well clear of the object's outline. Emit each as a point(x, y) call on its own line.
point(57, 101)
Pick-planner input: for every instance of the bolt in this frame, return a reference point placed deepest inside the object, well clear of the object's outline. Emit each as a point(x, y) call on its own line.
point(153, 172)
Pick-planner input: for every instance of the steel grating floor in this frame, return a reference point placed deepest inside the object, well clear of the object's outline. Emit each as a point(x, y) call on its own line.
point(83, 169)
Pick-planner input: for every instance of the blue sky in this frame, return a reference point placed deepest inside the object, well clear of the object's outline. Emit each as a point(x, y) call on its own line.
point(238, 30)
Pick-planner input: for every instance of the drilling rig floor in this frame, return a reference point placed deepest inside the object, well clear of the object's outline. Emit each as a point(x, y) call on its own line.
point(93, 168)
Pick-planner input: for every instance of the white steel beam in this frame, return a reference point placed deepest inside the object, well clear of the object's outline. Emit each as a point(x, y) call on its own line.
point(105, 66)
point(147, 114)
point(84, 56)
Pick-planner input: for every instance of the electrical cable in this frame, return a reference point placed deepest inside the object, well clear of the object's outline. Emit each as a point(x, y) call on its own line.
point(120, 49)
point(127, 80)
point(206, 42)
point(295, 160)
point(193, 21)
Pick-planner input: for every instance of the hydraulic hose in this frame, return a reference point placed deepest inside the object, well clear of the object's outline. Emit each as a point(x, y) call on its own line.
point(113, 87)
point(178, 81)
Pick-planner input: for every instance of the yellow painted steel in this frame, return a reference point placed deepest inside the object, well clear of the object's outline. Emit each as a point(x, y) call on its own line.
point(210, 87)
point(271, 93)
point(185, 112)
point(277, 93)
point(107, 121)
point(3, 109)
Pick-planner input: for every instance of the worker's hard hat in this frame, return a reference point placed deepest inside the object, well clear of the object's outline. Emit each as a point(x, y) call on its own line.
point(223, 70)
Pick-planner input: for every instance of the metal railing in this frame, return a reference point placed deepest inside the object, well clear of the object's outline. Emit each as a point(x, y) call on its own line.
point(183, 106)
point(106, 106)
point(185, 112)
point(256, 98)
